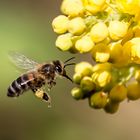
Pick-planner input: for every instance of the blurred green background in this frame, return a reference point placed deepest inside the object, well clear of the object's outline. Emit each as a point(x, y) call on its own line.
point(25, 27)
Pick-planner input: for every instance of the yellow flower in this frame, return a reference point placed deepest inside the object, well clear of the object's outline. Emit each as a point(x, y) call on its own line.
point(94, 6)
point(77, 78)
point(118, 93)
point(133, 91)
point(132, 48)
point(99, 32)
point(72, 8)
point(64, 42)
point(87, 84)
point(119, 55)
point(85, 44)
point(76, 26)
point(117, 29)
point(129, 6)
point(102, 66)
point(101, 52)
point(102, 78)
point(111, 107)
point(84, 68)
point(98, 100)
point(77, 93)
point(60, 24)
point(115, 52)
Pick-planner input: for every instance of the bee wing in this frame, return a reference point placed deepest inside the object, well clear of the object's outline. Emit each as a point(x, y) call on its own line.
point(22, 61)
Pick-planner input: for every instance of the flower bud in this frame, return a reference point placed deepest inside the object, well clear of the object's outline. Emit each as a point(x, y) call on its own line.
point(134, 47)
point(99, 32)
point(101, 79)
point(85, 44)
point(60, 24)
point(94, 6)
point(131, 7)
point(116, 51)
point(72, 8)
point(111, 107)
point(117, 29)
point(77, 78)
point(98, 100)
point(76, 26)
point(118, 93)
point(77, 93)
point(133, 91)
point(102, 67)
point(64, 42)
point(126, 53)
point(83, 68)
point(101, 53)
point(87, 84)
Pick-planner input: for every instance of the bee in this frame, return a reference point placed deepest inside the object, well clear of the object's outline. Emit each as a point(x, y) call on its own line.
point(37, 76)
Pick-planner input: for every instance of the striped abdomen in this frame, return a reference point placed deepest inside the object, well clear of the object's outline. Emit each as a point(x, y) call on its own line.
point(18, 86)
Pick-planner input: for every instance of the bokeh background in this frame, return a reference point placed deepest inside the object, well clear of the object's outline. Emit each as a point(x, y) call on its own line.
point(25, 27)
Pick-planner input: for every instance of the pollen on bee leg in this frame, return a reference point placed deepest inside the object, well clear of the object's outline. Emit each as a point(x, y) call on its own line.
point(44, 96)
point(39, 93)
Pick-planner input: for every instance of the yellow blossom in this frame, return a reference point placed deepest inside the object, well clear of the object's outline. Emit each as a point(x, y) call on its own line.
point(64, 42)
point(131, 7)
point(94, 6)
point(133, 91)
point(102, 66)
point(77, 78)
point(87, 84)
point(118, 93)
point(77, 93)
point(115, 52)
point(119, 55)
point(84, 68)
point(132, 48)
point(72, 8)
point(117, 29)
point(101, 52)
point(102, 78)
point(60, 24)
point(76, 26)
point(111, 107)
point(85, 44)
point(99, 32)
point(98, 100)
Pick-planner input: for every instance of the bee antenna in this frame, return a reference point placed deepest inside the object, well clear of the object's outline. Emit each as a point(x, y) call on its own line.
point(69, 64)
point(69, 59)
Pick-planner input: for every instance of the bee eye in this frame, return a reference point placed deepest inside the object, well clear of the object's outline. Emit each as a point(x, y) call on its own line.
point(58, 69)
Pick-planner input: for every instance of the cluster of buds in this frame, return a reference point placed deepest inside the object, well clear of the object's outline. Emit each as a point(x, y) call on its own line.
point(108, 30)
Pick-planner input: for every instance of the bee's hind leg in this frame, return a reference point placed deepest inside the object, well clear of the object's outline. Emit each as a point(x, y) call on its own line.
point(43, 95)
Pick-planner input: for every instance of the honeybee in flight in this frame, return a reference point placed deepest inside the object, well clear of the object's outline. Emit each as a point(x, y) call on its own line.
point(37, 76)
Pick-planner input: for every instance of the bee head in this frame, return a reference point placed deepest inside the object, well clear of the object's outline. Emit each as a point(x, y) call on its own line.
point(60, 67)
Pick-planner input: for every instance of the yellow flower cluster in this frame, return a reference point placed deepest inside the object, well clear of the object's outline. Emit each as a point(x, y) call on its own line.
point(108, 30)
